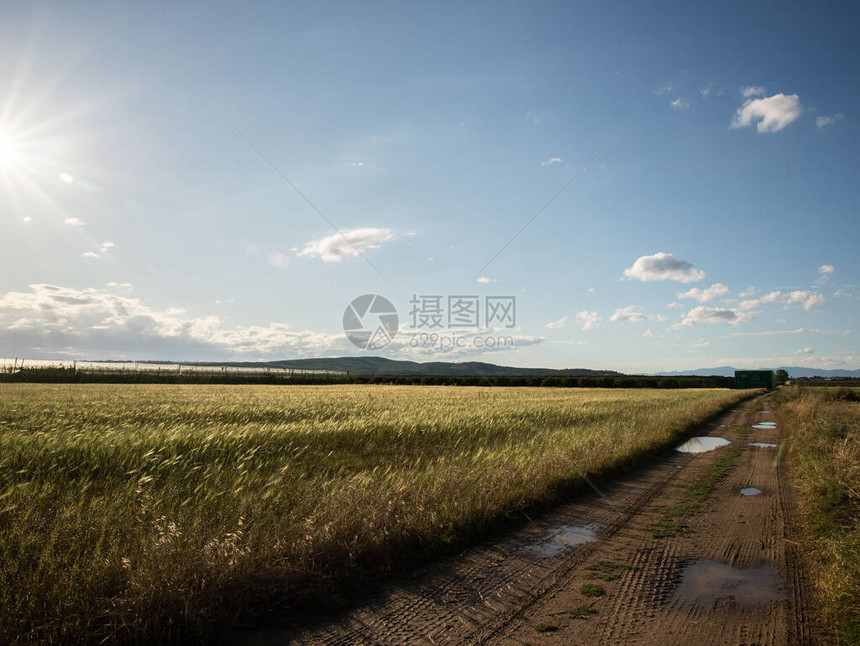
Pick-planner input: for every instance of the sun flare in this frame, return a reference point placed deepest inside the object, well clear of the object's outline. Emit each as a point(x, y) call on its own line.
point(8, 152)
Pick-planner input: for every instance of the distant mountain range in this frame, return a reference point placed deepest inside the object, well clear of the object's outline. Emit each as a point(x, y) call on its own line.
point(793, 372)
point(391, 367)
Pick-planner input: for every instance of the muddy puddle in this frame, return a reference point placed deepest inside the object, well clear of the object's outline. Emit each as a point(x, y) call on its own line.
point(707, 582)
point(762, 445)
point(702, 444)
point(750, 491)
point(560, 537)
point(765, 425)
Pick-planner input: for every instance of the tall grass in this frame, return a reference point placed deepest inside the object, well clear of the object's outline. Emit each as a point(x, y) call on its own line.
point(825, 441)
point(136, 513)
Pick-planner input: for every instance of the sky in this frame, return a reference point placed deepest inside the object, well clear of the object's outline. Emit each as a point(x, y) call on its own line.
point(643, 186)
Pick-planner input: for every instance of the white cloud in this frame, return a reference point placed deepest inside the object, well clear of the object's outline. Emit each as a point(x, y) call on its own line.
point(712, 315)
point(672, 306)
point(99, 323)
point(824, 273)
point(701, 343)
point(772, 114)
point(805, 351)
point(664, 266)
point(590, 290)
point(107, 246)
point(485, 280)
point(353, 242)
point(680, 104)
point(824, 121)
point(752, 90)
point(26, 218)
point(705, 295)
point(805, 299)
point(92, 255)
point(647, 333)
point(277, 260)
point(749, 291)
point(555, 325)
point(666, 88)
point(355, 164)
point(551, 161)
point(587, 320)
point(633, 314)
point(74, 222)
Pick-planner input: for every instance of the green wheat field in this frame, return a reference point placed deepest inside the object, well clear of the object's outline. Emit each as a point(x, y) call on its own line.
point(138, 512)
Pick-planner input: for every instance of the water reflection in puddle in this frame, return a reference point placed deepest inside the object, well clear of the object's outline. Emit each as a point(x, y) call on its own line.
point(762, 445)
point(750, 491)
point(765, 425)
point(562, 536)
point(705, 582)
point(702, 444)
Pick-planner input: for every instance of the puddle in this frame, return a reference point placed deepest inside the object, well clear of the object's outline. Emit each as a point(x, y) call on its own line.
point(750, 491)
point(765, 425)
point(701, 444)
point(736, 410)
point(706, 582)
point(562, 536)
point(762, 445)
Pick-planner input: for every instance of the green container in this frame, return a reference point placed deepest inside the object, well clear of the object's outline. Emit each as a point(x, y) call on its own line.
point(755, 379)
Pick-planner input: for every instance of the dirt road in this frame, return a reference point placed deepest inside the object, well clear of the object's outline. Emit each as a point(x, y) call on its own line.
point(732, 576)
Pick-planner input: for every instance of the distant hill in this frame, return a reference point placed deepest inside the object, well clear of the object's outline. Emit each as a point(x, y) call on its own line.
point(391, 367)
point(380, 366)
point(793, 372)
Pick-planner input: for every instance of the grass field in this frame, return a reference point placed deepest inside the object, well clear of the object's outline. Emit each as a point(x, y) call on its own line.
point(825, 442)
point(163, 512)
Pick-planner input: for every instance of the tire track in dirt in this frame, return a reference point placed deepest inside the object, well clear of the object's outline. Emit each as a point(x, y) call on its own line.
point(732, 578)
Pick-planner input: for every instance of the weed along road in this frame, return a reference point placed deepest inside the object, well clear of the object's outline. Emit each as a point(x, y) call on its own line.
point(698, 547)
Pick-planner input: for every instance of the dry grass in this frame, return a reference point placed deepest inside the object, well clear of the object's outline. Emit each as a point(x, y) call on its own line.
point(163, 512)
point(825, 443)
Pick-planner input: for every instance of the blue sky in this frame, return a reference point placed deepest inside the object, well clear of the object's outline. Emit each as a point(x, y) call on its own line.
point(137, 221)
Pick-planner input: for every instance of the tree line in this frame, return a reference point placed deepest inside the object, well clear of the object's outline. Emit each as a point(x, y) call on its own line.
point(67, 375)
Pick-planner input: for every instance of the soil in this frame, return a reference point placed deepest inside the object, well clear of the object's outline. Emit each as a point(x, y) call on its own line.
point(734, 576)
